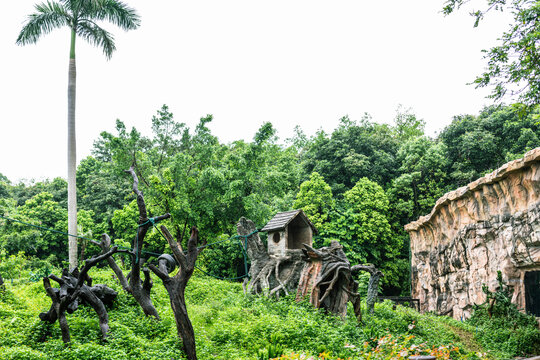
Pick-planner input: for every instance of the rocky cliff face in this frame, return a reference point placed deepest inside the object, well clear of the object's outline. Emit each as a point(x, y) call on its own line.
point(489, 225)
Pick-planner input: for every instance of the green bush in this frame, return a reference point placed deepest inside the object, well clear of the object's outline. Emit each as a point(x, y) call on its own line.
point(501, 327)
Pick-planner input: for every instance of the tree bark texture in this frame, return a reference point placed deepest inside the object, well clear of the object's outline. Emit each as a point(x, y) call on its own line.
point(322, 275)
point(72, 161)
point(76, 287)
point(176, 285)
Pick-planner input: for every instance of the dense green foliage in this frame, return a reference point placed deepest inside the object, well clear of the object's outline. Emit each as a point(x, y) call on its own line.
point(228, 325)
point(360, 184)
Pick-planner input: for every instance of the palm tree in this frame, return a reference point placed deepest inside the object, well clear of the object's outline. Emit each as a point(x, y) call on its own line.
point(81, 17)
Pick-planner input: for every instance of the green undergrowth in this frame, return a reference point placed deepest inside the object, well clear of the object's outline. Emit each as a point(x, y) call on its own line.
point(228, 325)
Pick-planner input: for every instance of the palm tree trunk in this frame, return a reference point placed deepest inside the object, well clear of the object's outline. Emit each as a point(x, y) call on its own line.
point(72, 156)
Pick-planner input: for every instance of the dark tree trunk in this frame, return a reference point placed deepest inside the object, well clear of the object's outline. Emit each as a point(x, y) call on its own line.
point(184, 327)
point(133, 283)
point(72, 291)
point(373, 285)
point(176, 286)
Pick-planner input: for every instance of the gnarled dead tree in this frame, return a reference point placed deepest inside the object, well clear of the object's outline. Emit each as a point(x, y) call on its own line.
point(176, 285)
point(132, 282)
point(270, 275)
point(328, 281)
point(73, 290)
point(323, 275)
point(373, 285)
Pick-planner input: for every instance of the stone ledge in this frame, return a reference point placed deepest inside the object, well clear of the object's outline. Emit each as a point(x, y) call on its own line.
point(491, 178)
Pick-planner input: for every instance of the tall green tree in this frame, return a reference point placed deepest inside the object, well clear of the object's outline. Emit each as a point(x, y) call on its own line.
point(81, 16)
point(479, 144)
point(356, 149)
point(513, 65)
point(361, 226)
point(316, 200)
point(4, 186)
point(423, 165)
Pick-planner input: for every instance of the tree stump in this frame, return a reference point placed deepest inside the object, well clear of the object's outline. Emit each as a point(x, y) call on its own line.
point(327, 280)
point(323, 275)
point(373, 285)
point(76, 287)
point(270, 275)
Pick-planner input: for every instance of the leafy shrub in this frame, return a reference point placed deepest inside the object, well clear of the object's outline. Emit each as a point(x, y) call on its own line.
point(228, 325)
point(20, 353)
point(502, 327)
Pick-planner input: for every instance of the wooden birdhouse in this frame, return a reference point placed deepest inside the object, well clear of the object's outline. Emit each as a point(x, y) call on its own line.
point(288, 231)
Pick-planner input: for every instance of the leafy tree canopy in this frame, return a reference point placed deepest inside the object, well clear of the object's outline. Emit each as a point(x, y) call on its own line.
point(316, 200)
point(513, 65)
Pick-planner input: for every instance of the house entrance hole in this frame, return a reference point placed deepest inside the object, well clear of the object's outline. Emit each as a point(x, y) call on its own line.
point(532, 292)
point(299, 233)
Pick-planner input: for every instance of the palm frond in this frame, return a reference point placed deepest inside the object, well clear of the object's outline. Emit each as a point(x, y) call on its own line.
point(97, 36)
point(113, 11)
point(50, 15)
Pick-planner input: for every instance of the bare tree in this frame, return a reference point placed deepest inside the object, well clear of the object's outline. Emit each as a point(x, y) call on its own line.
point(132, 283)
point(176, 285)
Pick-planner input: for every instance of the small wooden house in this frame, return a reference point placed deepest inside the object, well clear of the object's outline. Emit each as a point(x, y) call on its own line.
point(287, 231)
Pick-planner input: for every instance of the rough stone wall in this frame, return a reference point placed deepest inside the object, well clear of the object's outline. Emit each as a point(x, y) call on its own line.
point(489, 225)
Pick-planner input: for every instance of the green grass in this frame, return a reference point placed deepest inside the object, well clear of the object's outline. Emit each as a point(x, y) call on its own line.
point(228, 325)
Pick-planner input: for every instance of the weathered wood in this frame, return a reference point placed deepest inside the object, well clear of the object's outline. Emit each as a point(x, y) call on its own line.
point(323, 275)
point(75, 287)
point(270, 275)
point(176, 286)
point(373, 285)
point(328, 281)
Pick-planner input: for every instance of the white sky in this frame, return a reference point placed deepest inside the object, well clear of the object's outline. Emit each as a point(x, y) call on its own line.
point(290, 62)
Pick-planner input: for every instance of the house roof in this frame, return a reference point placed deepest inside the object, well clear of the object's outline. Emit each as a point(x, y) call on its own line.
point(282, 219)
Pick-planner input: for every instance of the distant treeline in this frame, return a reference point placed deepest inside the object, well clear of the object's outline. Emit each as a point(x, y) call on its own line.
point(359, 184)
